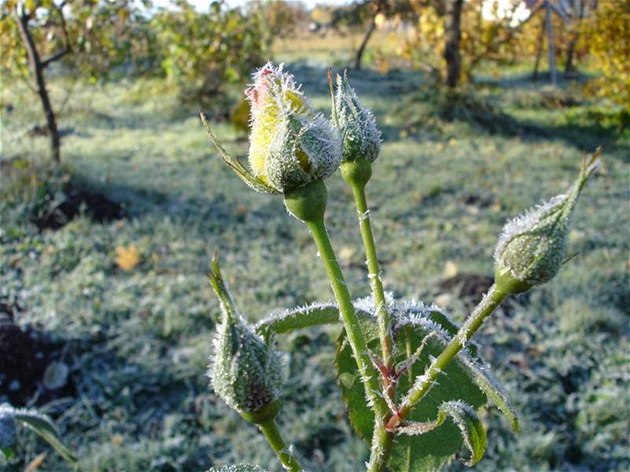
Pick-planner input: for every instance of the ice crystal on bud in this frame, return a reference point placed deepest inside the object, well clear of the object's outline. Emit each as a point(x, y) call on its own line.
point(532, 247)
point(361, 139)
point(244, 371)
point(290, 144)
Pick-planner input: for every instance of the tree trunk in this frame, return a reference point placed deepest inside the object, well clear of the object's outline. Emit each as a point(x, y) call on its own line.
point(453, 36)
point(569, 67)
point(551, 45)
point(380, 4)
point(539, 49)
point(37, 70)
point(361, 50)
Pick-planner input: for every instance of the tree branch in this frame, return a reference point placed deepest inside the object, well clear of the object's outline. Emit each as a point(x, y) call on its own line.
point(64, 32)
point(55, 57)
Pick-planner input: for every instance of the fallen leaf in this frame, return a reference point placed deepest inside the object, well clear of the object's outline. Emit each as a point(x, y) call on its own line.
point(127, 257)
point(450, 270)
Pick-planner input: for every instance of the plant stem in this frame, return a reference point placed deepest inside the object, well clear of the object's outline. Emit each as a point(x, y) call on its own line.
point(382, 313)
point(275, 440)
point(490, 302)
point(382, 440)
point(356, 339)
point(355, 335)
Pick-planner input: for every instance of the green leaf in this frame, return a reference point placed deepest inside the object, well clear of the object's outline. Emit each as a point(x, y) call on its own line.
point(298, 318)
point(315, 314)
point(238, 468)
point(44, 426)
point(469, 359)
point(491, 388)
point(7, 452)
point(465, 418)
point(470, 426)
point(439, 445)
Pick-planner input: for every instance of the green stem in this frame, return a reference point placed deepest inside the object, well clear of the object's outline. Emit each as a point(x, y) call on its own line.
point(490, 302)
point(381, 439)
point(382, 442)
point(382, 313)
point(308, 204)
point(275, 440)
point(355, 335)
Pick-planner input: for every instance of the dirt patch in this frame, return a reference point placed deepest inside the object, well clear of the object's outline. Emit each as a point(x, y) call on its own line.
point(26, 357)
point(467, 286)
point(471, 287)
point(72, 202)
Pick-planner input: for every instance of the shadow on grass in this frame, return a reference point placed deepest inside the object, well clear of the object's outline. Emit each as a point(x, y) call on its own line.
point(584, 129)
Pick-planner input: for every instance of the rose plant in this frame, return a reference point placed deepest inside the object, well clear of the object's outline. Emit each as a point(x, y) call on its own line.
point(413, 381)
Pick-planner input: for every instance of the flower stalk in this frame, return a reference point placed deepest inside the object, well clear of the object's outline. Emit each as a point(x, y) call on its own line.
point(356, 174)
point(308, 205)
point(301, 204)
point(276, 441)
point(382, 439)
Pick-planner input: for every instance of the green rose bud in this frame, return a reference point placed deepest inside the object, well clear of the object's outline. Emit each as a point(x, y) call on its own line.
point(532, 247)
point(361, 139)
point(244, 371)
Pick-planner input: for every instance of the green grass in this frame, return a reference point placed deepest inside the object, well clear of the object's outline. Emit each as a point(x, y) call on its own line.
point(137, 342)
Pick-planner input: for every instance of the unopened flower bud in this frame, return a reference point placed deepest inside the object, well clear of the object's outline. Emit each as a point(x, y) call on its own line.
point(532, 247)
point(290, 144)
point(244, 372)
point(361, 139)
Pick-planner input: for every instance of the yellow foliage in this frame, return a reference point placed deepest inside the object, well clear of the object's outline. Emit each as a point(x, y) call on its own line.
point(607, 36)
point(127, 257)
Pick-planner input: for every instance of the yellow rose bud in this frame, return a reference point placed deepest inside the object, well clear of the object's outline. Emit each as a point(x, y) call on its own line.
point(290, 144)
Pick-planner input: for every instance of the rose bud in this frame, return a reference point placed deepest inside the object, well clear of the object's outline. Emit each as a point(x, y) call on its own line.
point(532, 247)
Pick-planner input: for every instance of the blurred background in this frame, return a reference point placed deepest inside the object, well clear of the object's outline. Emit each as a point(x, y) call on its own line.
point(113, 201)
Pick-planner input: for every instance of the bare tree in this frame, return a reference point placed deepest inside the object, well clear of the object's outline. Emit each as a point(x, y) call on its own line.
point(37, 66)
point(379, 6)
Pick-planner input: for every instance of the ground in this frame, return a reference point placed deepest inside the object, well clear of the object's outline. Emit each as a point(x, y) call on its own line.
point(119, 295)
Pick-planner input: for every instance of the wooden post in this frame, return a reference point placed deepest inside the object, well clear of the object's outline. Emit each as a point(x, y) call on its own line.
point(551, 45)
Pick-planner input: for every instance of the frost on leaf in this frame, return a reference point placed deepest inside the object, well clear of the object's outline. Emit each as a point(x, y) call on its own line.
point(465, 379)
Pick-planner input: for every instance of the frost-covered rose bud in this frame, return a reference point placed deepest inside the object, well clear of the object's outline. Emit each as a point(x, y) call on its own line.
point(290, 144)
point(244, 371)
point(361, 139)
point(532, 247)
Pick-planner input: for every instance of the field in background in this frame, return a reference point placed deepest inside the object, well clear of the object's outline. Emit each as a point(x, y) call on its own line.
point(124, 303)
point(339, 50)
